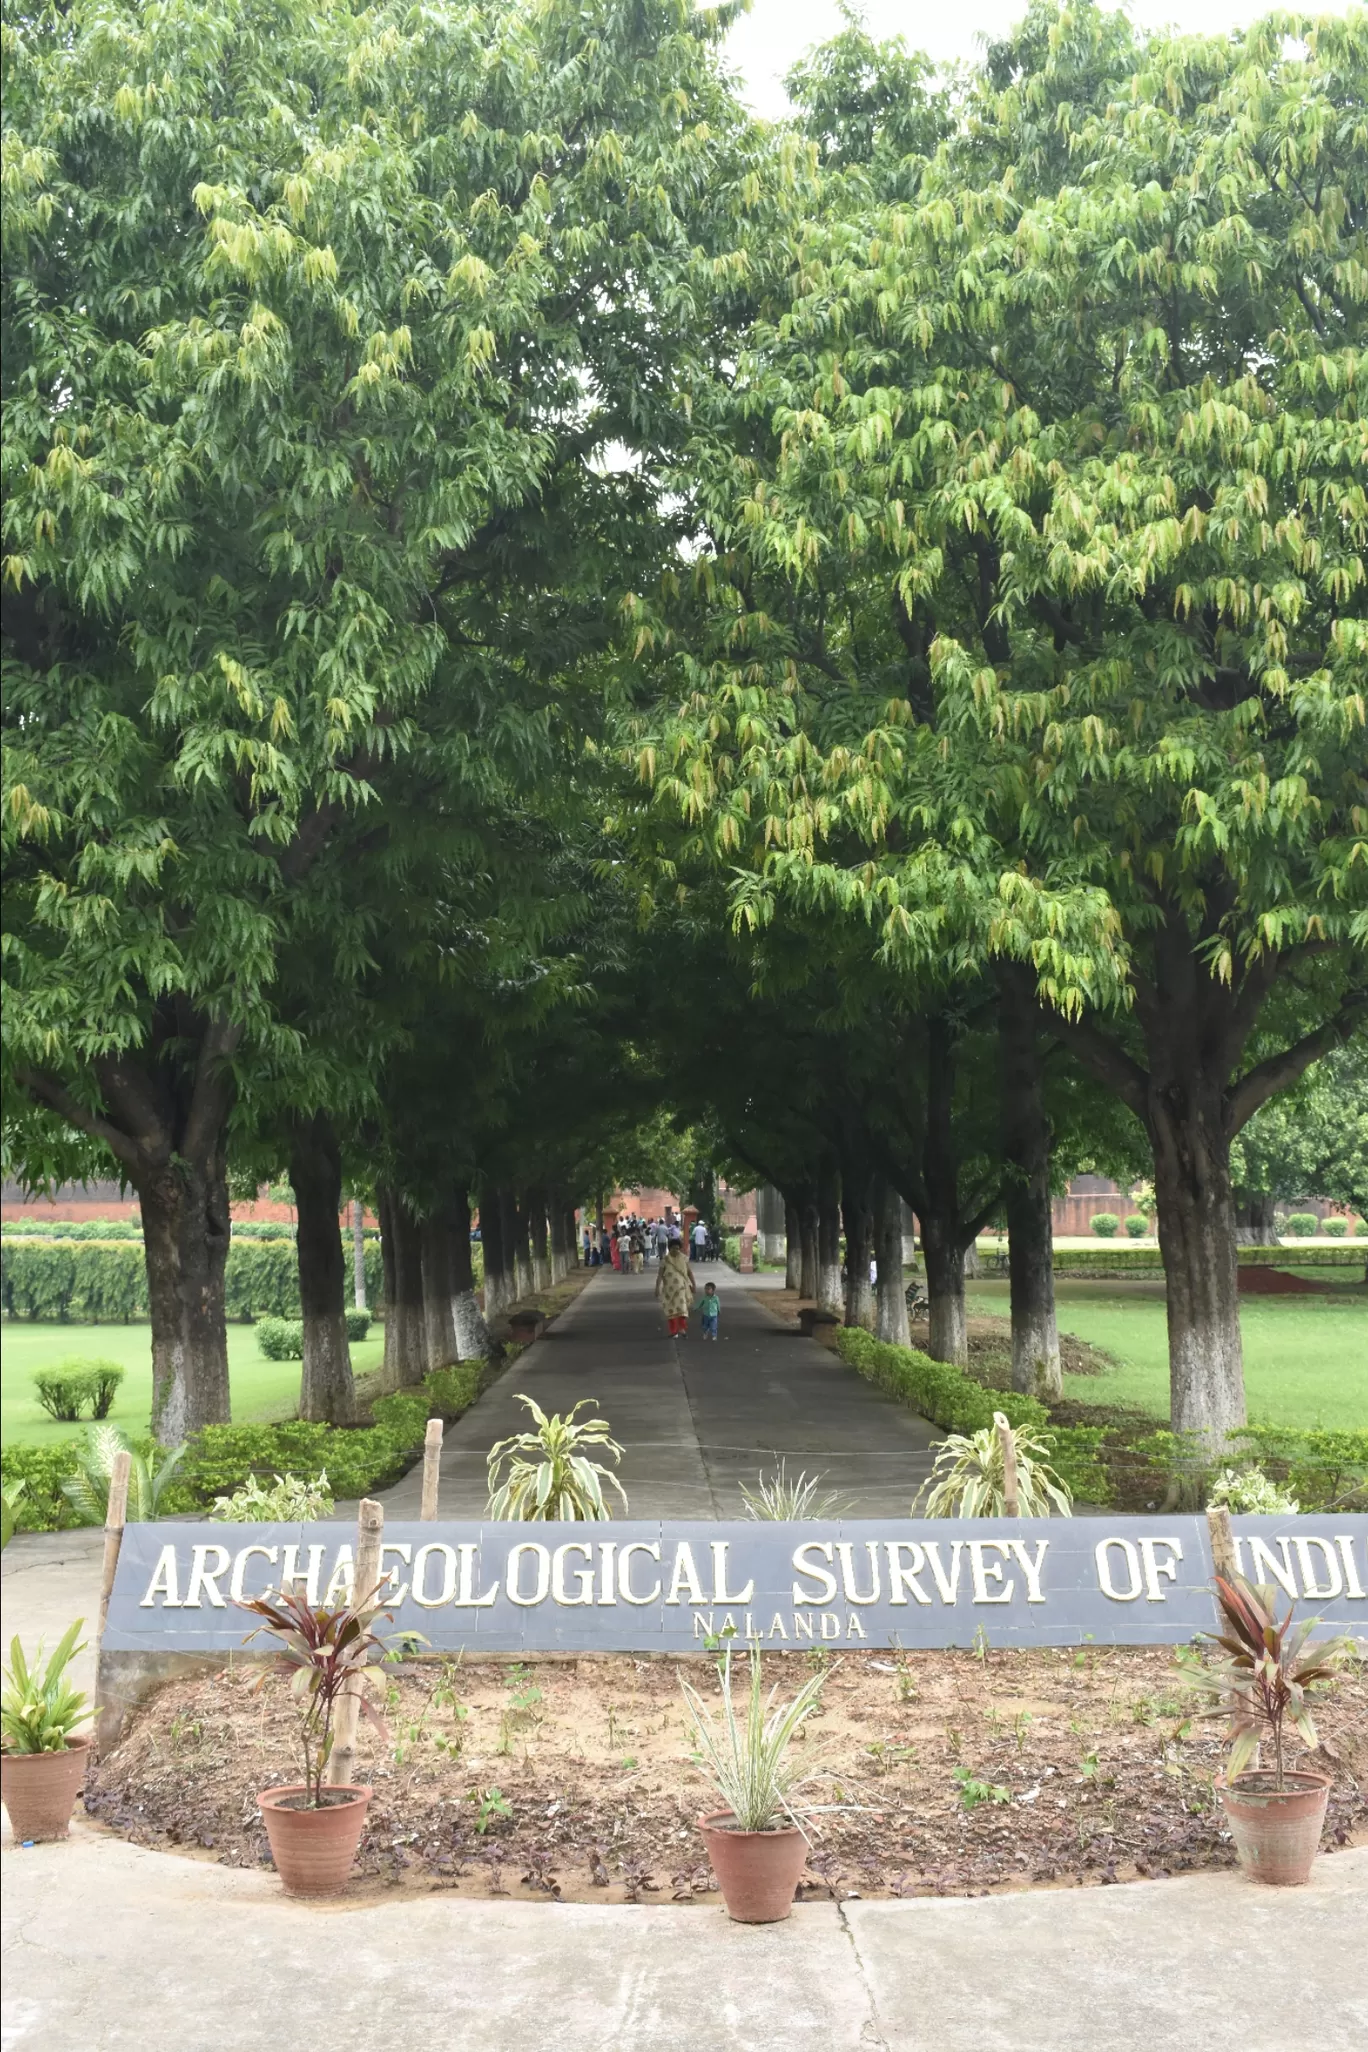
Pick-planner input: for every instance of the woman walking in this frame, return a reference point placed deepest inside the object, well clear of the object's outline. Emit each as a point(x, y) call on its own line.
point(675, 1287)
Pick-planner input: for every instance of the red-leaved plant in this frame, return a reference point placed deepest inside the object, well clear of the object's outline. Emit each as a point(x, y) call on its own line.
point(1263, 1682)
point(325, 1651)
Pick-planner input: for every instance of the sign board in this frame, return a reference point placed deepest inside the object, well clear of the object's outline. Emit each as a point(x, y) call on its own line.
point(671, 1587)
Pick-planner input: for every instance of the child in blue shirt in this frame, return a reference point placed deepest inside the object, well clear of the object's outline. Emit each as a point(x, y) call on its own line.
point(708, 1310)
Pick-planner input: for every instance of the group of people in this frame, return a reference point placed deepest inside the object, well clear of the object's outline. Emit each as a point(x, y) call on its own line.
point(632, 1241)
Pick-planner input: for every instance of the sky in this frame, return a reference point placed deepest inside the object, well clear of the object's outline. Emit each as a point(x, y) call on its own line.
point(765, 43)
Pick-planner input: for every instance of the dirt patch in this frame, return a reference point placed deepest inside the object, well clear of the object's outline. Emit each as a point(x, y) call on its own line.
point(950, 1774)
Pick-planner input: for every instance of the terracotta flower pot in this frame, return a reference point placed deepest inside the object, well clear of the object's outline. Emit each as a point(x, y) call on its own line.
point(313, 1850)
point(1276, 1831)
point(757, 1871)
point(40, 1789)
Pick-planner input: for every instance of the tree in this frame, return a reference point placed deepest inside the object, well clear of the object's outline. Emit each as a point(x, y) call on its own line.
point(1065, 476)
point(299, 308)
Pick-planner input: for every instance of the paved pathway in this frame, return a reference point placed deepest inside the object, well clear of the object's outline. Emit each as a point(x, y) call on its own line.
point(109, 1948)
point(695, 1420)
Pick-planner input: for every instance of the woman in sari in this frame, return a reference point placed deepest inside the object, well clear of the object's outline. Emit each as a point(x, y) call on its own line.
point(675, 1287)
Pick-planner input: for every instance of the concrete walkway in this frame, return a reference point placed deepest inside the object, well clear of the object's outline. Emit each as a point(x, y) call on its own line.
point(108, 1948)
point(694, 1420)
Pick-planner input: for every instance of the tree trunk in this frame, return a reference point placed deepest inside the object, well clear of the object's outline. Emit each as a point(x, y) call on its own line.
point(493, 1251)
point(1256, 1223)
point(185, 1219)
point(891, 1321)
point(405, 1324)
point(537, 1210)
point(829, 1294)
point(326, 1391)
point(1196, 1207)
point(857, 1215)
point(1030, 1231)
point(517, 1246)
point(943, 1253)
point(808, 1223)
point(793, 1248)
point(562, 1240)
point(358, 1254)
point(439, 1319)
point(164, 1116)
point(472, 1334)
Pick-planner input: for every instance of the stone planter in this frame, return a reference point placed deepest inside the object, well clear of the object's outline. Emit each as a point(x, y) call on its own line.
point(40, 1789)
point(1276, 1831)
point(313, 1850)
point(757, 1871)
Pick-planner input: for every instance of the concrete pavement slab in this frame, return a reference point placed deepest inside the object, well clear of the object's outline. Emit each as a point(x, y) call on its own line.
point(1209, 1960)
point(109, 1948)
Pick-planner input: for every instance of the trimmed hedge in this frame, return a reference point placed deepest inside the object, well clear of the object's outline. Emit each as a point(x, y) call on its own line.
point(71, 1229)
point(941, 1393)
point(222, 1458)
point(105, 1282)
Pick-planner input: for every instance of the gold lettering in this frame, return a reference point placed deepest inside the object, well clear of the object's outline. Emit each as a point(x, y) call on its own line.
point(289, 1569)
point(1352, 1585)
point(398, 1589)
point(776, 1630)
point(1102, 1554)
point(607, 1584)
point(1031, 1568)
point(1264, 1565)
point(854, 1629)
point(948, 1586)
point(625, 1590)
point(1155, 1567)
point(804, 1564)
point(446, 1592)
point(543, 1572)
point(237, 1587)
point(203, 1576)
point(466, 1599)
point(981, 1570)
point(719, 1595)
point(584, 1578)
point(804, 1624)
point(1310, 1584)
point(846, 1552)
point(165, 1582)
point(684, 1575)
point(900, 1578)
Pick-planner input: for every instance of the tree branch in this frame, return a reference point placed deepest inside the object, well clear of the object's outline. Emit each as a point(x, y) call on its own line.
point(1103, 1059)
point(1266, 1079)
point(212, 1088)
point(45, 1089)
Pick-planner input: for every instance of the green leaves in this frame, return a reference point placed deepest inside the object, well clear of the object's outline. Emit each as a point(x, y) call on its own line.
point(39, 1709)
point(547, 1474)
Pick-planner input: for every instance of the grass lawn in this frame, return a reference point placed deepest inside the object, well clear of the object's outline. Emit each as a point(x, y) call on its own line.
point(261, 1389)
point(1306, 1358)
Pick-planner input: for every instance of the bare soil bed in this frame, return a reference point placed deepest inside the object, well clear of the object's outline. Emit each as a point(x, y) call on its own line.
point(947, 1773)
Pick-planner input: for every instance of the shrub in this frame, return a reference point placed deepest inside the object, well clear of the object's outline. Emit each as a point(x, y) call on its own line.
point(281, 1339)
point(358, 1324)
point(66, 1390)
point(1249, 1493)
point(71, 1229)
point(1323, 1470)
point(149, 1477)
point(452, 1390)
point(1335, 1228)
point(1300, 1224)
point(263, 1229)
point(1137, 1225)
point(290, 1500)
point(968, 1479)
point(1361, 1229)
point(1104, 1224)
point(547, 1473)
point(41, 1507)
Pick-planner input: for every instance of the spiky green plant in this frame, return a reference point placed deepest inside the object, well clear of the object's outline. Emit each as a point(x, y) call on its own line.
point(39, 1708)
point(1269, 1668)
point(10, 1493)
point(786, 1499)
point(745, 1752)
point(967, 1479)
point(88, 1489)
point(547, 1473)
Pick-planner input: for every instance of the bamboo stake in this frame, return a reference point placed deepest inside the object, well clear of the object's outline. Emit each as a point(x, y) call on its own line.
point(1223, 1557)
point(432, 1469)
point(1011, 1498)
point(370, 1530)
point(116, 1516)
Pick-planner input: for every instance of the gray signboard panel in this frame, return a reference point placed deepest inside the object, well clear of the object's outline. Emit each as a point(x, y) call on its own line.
point(652, 1587)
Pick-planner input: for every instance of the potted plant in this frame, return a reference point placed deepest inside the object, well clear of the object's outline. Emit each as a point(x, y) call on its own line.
point(1275, 1813)
point(314, 1829)
point(44, 1759)
point(755, 1842)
